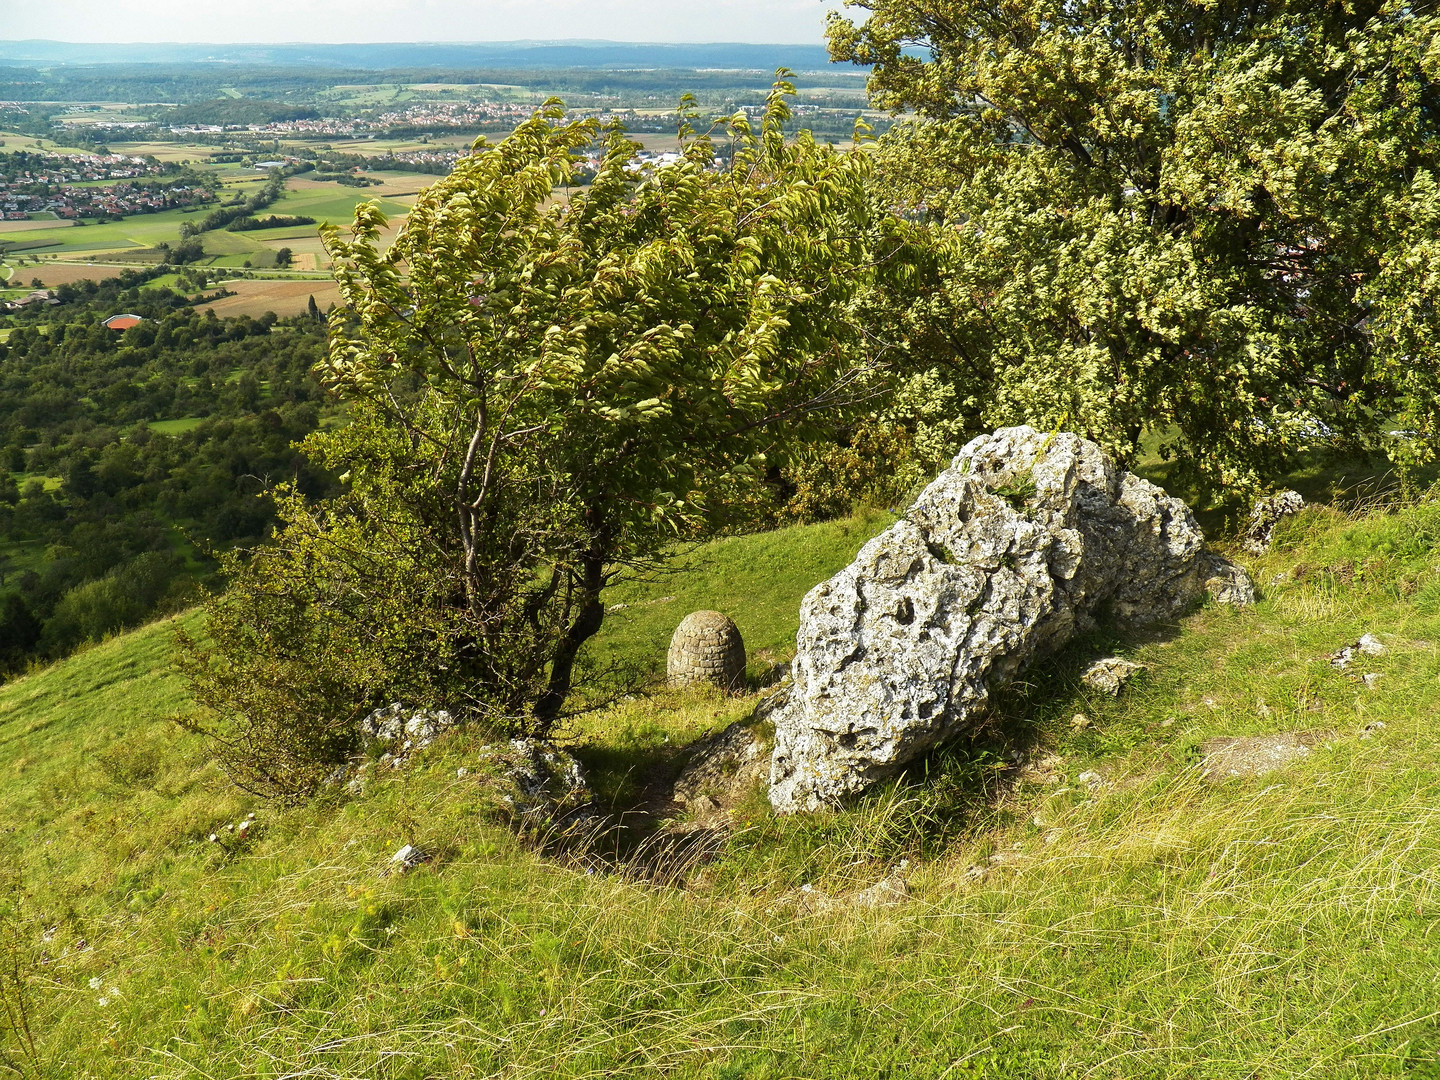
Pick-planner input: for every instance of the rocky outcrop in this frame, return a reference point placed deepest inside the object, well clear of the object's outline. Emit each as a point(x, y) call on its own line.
point(402, 730)
point(545, 781)
point(721, 769)
point(1265, 515)
point(1023, 541)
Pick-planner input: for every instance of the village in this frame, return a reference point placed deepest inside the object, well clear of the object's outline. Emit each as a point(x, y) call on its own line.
point(55, 184)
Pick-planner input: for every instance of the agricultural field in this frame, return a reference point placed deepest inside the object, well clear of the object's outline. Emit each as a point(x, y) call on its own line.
point(33, 225)
point(51, 274)
point(135, 238)
point(13, 141)
point(291, 297)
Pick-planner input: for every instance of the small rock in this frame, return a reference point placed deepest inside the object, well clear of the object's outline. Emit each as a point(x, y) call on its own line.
point(1228, 584)
point(1371, 679)
point(885, 893)
point(355, 787)
point(1370, 645)
point(1268, 513)
point(1091, 779)
point(1372, 729)
point(1110, 674)
point(1079, 722)
point(461, 773)
point(406, 858)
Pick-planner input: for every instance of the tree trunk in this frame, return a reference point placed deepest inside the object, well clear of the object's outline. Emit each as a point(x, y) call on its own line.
point(585, 625)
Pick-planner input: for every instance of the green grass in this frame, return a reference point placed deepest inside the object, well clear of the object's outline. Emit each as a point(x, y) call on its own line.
point(1150, 924)
point(176, 427)
point(758, 581)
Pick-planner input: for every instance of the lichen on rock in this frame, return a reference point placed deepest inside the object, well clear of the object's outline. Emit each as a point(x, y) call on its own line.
point(1022, 542)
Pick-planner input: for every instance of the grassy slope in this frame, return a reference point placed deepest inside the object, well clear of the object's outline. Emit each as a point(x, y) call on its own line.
point(1151, 925)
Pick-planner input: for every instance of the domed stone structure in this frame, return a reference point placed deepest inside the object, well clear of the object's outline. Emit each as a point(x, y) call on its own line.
point(707, 647)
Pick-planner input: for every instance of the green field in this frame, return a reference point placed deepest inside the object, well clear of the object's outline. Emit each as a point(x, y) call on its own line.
point(1108, 911)
point(176, 427)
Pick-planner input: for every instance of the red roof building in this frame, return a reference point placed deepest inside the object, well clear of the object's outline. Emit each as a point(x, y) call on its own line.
point(123, 322)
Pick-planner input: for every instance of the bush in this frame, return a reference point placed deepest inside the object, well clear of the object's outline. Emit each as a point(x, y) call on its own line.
point(125, 597)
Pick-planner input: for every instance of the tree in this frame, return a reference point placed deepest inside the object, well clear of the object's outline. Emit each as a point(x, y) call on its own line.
point(1213, 221)
point(545, 392)
point(283, 256)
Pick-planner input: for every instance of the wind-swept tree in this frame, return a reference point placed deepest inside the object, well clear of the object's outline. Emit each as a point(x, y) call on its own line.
point(549, 386)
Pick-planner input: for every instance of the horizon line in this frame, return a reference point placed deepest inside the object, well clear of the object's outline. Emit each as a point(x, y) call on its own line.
point(526, 42)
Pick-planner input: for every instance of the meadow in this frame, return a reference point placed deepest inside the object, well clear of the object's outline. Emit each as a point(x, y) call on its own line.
point(1081, 900)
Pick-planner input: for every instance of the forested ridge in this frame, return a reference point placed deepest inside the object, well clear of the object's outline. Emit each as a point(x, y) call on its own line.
point(105, 520)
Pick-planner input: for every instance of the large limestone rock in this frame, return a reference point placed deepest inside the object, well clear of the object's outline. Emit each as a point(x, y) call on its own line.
point(1020, 543)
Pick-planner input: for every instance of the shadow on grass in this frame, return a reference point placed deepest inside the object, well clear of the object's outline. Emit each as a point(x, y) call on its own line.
point(1345, 481)
point(960, 788)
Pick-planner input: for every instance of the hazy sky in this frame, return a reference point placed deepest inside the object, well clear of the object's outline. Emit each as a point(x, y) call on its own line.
point(777, 21)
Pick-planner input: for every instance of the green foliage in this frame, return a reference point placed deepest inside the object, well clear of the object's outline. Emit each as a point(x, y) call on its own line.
point(1214, 222)
point(122, 454)
point(546, 394)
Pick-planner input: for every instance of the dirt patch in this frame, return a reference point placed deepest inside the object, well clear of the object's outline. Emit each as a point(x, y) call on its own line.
point(53, 274)
point(32, 226)
point(1256, 755)
point(254, 298)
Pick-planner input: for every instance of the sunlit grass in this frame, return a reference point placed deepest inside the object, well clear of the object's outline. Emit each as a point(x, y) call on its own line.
point(1143, 921)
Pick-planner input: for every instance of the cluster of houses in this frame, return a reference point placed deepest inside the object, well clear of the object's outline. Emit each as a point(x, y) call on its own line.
point(49, 184)
point(439, 114)
point(40, 297)
point(47, 298)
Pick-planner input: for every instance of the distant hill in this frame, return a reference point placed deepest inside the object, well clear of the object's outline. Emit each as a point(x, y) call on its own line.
point(512, 54)
point(232, 111)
